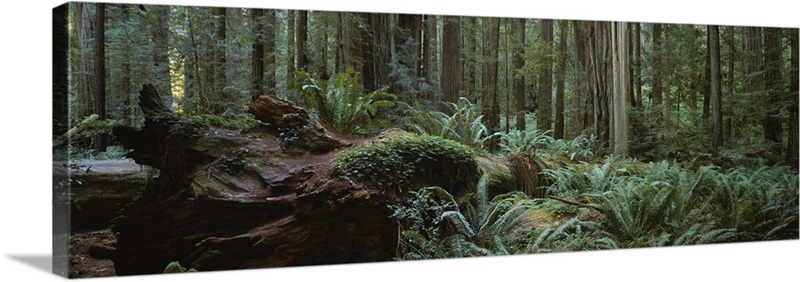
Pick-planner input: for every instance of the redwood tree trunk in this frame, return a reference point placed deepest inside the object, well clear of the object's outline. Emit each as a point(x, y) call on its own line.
point(561, 72)
point(716, 87)
point(519, 80)
point(100, 142)
point(490, 103)
point(792, 147)
point(451, 48)
point(544, 101)
point(773, 85)
point(302, 37)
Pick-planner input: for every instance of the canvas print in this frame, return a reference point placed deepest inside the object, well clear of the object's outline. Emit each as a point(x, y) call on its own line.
point(194, 139)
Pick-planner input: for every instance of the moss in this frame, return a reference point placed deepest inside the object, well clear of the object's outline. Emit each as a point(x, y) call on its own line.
point(407, 161)
point(241, 122)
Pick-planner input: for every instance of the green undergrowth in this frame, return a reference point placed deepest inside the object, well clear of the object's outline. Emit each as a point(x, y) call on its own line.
point(241, 122)
point(400, 161)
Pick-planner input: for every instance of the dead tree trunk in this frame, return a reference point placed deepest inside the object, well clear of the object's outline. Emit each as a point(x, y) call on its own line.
point(264, 197)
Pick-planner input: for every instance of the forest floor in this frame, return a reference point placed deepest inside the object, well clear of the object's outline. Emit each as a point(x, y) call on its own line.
point(82, 260)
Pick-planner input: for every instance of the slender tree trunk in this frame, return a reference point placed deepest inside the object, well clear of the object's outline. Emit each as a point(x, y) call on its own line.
point(220, 53)
point(792, 147)
point(707, 83)
point(83, 81)
point(160, 32)
point(382, 27)
point(773, 84)
point(100, 72)
point(716, 87)
point(430, 61)
point(621, 65)
point(638, 65)
point(731, 82)
point(519, 79)
point(544, 109)
point(561, 72)
point(451, 48)
point(257, 84)
point(302, 37)
point(655, 96)
point(490, 103)
point(270, 26)
point(291, 32)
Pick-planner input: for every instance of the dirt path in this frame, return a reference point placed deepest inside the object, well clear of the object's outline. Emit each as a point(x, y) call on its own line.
point(86, 252)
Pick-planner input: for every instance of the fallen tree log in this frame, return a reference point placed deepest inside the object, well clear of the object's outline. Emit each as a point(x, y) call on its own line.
point(263, 197)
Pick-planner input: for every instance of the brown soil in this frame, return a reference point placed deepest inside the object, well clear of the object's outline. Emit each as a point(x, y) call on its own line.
point(81, 263)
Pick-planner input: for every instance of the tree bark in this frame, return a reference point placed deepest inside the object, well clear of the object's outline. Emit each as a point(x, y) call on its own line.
point(302, 37)
point(656, 65)
point(60, 71)
point(774, 86)
point(451, 69)
point(278, 200)
point(621, 66)
point(519, 79)
point(220, 68)
point(716, 87)
point(638, 65)
point(792, 146)
point(561, 72)
point(490, 102)
point(161, 72)
point(257, 84)
point(100, 142)
point(291, 32)
point(429, 60)
point(544, 101)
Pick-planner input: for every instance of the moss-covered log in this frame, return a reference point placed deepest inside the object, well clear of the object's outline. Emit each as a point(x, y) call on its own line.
point(270, 196)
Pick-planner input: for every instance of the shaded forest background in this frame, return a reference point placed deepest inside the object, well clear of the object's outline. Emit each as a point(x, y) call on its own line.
point(645, 90)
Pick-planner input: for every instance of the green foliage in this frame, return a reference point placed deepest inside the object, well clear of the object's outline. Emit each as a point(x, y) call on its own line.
point(524, 142)
point(241, 122)
point(463, 125)
point(392, 163)
point(341, 103)
point(175, 267)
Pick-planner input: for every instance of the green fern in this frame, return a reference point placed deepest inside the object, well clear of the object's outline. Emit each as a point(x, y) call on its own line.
point(341, 103)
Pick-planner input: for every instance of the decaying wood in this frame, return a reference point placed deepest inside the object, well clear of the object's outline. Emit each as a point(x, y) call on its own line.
point(264, 197)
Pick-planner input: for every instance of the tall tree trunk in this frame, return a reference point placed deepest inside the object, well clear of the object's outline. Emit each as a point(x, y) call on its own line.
point(621, 66)
point(519, 79)
point(638, 64)
point(561, 72)
point(60, 71)
point(83, 81)
point(773, 84)
point(270, 26)
point(582, 79)
point(161, 73)
point(544, 109)
point(792, 146)
point(302, 37)
point(257, 84)
point(291, 32)
point(220, 53)
point(468, 58)
point(430, 56)
point(716, 87)
point(753, 67)
point(100, 142)
point(655, 96)
point(707, 83)
point(731, 82)
point(490, 103)
point(600, 68)
point(451, 48)
point(382, 35)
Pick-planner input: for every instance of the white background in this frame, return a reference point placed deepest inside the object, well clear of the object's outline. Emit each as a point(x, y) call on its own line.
point(25, 197)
